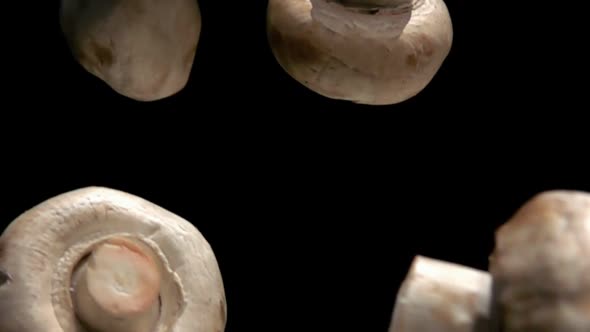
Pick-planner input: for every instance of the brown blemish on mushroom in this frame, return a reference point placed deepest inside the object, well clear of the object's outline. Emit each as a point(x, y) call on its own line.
point(427, 45)
point(222, 309)
point(411, 60)
point(424, 50)
point(94, 55)
point(104, 55)
point(4, 278)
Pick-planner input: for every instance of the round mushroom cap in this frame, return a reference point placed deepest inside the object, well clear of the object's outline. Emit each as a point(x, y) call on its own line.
point(40, 250)
point(142, 49)
point(369, 55)
point(540, 264)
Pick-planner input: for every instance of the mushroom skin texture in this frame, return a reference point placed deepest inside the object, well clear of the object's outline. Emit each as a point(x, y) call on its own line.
point(439, 296)
point(374, 52)
point(540, 263)
point(98, 259)
point(142, 49)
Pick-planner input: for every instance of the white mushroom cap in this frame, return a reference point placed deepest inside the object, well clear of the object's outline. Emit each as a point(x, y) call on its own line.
point(439, 296)
point(541, 265)
point(50, 251)
point(371, 52)
point(143, 49)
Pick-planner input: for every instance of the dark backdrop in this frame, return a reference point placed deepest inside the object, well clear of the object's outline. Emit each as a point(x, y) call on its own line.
point(314, 207)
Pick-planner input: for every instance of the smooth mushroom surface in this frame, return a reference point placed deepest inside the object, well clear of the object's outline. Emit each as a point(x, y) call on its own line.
point(540, 263)
point(102, 260)
point(439, 296)
point(143, 49)
point(374, 52)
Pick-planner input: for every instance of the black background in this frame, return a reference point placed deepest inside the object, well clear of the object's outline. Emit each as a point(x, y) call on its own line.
point(314, 207)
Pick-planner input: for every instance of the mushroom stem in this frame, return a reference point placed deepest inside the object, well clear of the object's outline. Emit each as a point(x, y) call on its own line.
point(373, 3)
point(117, 288)
point(369, 19)
point(444, 297)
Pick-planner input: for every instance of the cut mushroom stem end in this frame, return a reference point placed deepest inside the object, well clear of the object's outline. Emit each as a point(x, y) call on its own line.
point(372, 3)
point(444, 297)
point(117, 287)
point(369, 19)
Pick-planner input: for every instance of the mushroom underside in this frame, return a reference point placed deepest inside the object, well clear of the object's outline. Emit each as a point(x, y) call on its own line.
point(349, 55)
point(107, 261)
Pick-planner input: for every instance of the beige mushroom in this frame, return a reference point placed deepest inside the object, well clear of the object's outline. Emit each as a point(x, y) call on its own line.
point(439, 296)
point(143, 49)
point(372, 52)
point(538, 280)
point(541, 265)
point(101, 260)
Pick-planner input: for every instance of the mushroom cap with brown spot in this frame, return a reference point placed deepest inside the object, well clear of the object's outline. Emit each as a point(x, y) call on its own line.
point(143, 49)
point(40, 249)
point(540, 264)
point(340, 65)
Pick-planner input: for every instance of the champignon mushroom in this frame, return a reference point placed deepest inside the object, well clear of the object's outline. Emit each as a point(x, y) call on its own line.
point(143, 49)
point(540, 263)
point(444, 297)
point(98, 259)
point(372, 52)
